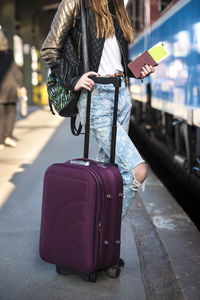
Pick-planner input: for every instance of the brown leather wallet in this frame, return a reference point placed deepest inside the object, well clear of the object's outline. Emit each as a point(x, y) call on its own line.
point(144, 59)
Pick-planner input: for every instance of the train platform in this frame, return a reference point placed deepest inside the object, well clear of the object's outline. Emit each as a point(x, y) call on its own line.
point(160, 244)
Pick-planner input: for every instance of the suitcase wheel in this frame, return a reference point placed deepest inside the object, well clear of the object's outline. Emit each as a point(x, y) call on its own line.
point(93, 277)
point(58, 269)
point(113, 272)
point(121, 263)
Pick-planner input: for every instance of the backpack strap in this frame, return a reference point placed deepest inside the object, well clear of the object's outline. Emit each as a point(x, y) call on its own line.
point(74, 129)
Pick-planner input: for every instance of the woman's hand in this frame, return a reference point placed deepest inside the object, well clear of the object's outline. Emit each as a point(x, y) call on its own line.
point(85, 82)
point(146, 71)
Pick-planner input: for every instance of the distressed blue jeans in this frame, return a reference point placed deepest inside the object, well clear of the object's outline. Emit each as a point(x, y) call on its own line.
point(127, 156)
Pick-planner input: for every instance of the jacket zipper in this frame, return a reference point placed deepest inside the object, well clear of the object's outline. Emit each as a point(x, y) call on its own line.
point(79, 47)
point(99, 224)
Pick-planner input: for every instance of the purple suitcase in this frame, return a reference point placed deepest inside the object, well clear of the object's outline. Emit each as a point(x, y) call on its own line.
point(81, 212)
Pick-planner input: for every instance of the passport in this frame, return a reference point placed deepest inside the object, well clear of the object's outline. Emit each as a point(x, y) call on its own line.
point(150, 57)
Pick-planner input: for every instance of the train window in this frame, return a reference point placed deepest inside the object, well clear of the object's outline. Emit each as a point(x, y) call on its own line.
point(143, 14)
point(164, 4)
point(137, 16)
point(136, 11)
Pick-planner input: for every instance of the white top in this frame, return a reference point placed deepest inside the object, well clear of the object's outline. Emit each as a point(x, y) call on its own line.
point(111, 58)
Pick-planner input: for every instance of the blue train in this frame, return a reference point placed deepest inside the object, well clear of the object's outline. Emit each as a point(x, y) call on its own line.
point(167, 103)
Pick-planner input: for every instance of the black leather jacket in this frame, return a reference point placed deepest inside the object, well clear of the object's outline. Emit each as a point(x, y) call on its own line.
point(62, 48)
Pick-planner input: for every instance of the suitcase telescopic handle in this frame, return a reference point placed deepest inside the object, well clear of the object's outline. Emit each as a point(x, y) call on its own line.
point(116, 81)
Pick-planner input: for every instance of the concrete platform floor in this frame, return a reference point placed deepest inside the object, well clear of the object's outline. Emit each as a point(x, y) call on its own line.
point(160, 245)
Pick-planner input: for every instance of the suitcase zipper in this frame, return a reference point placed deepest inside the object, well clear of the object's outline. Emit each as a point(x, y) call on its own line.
point(100, 229)
point(101, 241)
point(117, 231)
point(100, 233)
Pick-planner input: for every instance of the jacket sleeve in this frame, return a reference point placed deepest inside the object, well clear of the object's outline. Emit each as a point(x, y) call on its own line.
point(52, 48)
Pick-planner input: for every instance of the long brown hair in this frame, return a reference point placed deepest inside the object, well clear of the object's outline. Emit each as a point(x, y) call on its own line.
point(104, 22)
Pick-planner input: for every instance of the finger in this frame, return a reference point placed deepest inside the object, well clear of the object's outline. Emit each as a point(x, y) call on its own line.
point(152, 69)
point(145, 71)
point(85, 76)
point(84, 86)
point(88, 82)
point(91, 73)
point(142, 74)
point(148, 68)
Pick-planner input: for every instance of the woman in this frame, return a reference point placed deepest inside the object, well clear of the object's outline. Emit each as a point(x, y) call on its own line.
point(109, 32)
point(10, 79)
